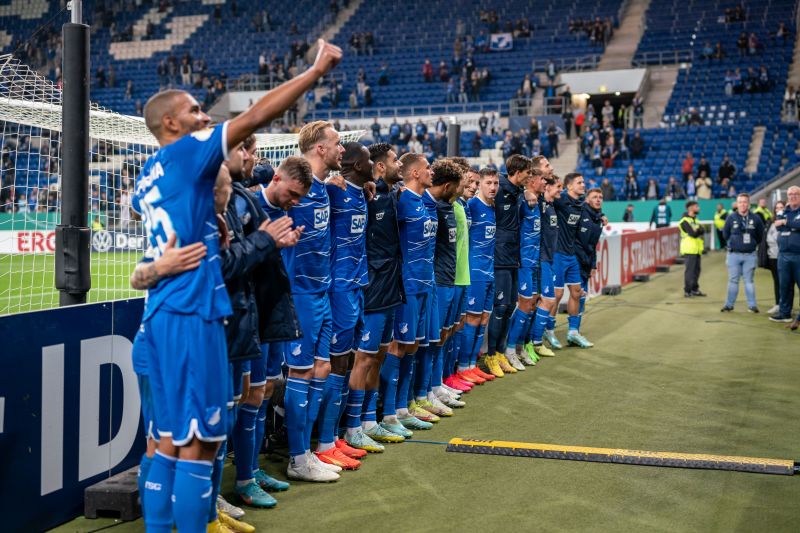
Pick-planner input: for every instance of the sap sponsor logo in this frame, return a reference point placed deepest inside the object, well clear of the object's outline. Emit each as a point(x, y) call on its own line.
point(358, 223)
point(490, 232)
point(537, 225)
point(553, 221)
point(379, 216)
point(573, 219)
point(506, 207)
point(321, 217)
point(429, 228)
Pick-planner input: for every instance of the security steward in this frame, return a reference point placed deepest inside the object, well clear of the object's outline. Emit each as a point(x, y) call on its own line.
point(719, 223)
point(691, 249)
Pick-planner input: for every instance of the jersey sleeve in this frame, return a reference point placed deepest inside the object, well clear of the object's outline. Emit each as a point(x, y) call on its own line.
point(204, 151)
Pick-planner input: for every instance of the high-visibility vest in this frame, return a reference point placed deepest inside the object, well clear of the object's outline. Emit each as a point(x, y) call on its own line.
point(719, 219)
point(764, 212)
point(690, 245)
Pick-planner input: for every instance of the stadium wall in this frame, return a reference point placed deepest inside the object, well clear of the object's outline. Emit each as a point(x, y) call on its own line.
point(69, 408)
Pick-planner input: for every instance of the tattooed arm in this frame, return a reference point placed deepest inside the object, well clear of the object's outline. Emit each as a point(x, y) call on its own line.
point(173, 261)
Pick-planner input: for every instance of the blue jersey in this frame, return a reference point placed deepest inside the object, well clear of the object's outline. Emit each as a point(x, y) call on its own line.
point(530, 233)
point(273, 212)
point(309, 267)
point(549, 234)
point(417, 231)
point(175, 194)
point(481, 240)
point(348, 238)
point(430, 204)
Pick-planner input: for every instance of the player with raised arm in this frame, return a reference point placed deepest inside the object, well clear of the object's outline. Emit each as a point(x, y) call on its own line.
point(174, 194)
point(481, 294)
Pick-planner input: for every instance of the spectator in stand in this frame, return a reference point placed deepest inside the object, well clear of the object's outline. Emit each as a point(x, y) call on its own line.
point(608, 154)
point(427, 71)
point(652, 192)
point(687, 167)
point(408, 131)
point(632, 191)
point(719, 52)
point(662, 215)
point(707, 52)
point(394, 132)
point(703, 186)
point(608, 190)
point(637, 146)
point(483, 122)
point(376, 130)
point(527, 89)
point(753, 44)
point(100, 75)
point(695, 118)
point(782, 32)
point(704, 166)
point(726, 169)
point(552, 138)
point(383, 75)
point(608, 112)
point(638, 111)
point(741, 44)
point(568, 117)
point(674, 189)
point(771, 259)
point(597, 157)
point(129, 90)
point(444, 74)
point(627, 216)
point(476, 144)
point(420, 129)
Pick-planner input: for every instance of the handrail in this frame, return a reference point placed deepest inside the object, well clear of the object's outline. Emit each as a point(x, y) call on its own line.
point(569, 64)
point(266, 82)
point(667, 57)
point(407, 111)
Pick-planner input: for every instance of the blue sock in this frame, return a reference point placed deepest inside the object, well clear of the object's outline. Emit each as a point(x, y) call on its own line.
point(345, 394)
point(244, 441)
point(437, 367)
point(540, 322)
point(476, 348)
point(369, 408)
point(390, 375)
point(574, 322)
point(449, 357)
point(216, 480)
point(551, 323)
point(315, 393)
point(468, 335)
point(580, 311)
point(295, 403)
point(332, 398)
point(519, 321)
point(158, 494)
point(424, 369)
point(191, 495)
point(144, 468)
point(529, 327)
point(354, 404)
point(403, 401)
point(261, 429)
point(405, 378)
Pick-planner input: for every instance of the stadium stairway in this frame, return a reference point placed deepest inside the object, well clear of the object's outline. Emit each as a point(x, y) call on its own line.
point(330, 33)
point(623, 45)
point(756, 145)
point(662, 82)
point(567, 161)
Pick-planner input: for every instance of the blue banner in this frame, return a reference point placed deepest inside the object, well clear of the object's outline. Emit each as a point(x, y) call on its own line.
point(69, 408)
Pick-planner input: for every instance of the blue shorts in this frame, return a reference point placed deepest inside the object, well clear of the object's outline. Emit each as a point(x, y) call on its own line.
point(447, 306)
point(139, 352)
point(268, 366)
point(567, 270)
point(316, 323)
point(528, 282)
point(548, 279)
point(460, 299)
point(480, 297)
point(378, 330)
point(411, 319)
point(347, 310)
point(148, 410)
point(241, 369)
point(433, 331)
point(187, 363)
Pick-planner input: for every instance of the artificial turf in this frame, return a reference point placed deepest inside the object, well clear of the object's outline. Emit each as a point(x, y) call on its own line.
point(667, 374)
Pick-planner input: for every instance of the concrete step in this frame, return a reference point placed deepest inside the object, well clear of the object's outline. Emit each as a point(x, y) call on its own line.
point(662, 82)
point(568, 159)
point(620, 51)
point(754, 153)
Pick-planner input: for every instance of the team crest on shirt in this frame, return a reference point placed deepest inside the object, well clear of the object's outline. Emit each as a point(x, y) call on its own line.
point(203, 135)
point(403, 327)
point(451, 234)
point(365, 337)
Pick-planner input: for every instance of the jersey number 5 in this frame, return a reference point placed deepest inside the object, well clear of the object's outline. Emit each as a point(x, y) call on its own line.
point(156, 221)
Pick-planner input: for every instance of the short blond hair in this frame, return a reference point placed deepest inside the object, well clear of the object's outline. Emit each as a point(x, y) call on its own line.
point(311, 134)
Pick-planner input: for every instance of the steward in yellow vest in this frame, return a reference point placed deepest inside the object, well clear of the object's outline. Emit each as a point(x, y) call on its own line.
point(691, 249)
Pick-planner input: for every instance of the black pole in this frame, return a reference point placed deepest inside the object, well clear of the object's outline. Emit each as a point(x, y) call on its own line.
point(453, 139)
point(73, 237)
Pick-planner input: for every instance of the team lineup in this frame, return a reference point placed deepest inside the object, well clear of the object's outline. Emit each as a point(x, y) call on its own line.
point(376, 288)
